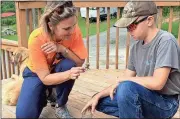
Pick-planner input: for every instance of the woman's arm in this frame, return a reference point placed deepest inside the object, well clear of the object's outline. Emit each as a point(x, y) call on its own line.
point(60, 77)
point(130, 73)
point(50, 47)
point(71, 55)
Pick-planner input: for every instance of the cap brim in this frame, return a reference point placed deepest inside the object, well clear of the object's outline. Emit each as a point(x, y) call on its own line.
point(124, 22)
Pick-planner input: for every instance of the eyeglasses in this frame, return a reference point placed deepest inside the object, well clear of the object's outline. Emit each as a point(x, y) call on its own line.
point(133, 26)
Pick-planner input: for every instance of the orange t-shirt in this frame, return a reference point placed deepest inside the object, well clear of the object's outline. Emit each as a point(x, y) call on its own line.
point(38, 60)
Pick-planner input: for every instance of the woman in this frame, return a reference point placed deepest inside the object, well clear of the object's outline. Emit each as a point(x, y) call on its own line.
point(56, 54)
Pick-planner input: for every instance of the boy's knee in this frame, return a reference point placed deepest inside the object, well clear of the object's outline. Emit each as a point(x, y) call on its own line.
point(127, 91)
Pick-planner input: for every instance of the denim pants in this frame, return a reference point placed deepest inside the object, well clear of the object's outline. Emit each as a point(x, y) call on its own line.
point(132, 100)
point(32, 97)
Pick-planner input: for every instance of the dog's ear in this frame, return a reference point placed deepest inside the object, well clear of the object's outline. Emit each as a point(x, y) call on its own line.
point(17, 57)
point(25, 54)
point(12, 57)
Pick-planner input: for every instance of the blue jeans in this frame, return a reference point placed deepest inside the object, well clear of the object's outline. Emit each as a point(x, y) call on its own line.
point(32, 97)
point(132, 100)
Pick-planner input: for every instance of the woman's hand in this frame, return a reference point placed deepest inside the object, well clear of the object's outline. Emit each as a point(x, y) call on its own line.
point(75, 72)
point(91, 105)
point(49, 47)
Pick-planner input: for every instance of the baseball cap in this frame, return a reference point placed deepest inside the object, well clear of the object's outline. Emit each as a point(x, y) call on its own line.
point(132, 10)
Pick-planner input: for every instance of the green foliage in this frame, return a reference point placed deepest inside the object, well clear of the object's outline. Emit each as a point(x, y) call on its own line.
point(7, 6)
point(166, 10)
point(175, 26)
point(8, 21)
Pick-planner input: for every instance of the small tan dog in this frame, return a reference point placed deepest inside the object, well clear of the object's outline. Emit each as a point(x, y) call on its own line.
point(11, 89)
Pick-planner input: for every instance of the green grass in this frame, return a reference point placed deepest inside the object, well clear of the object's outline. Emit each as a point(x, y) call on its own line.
point(175, 28)
point(82, 25)
point(12, 37)
point(92, 26)
point(103, 27)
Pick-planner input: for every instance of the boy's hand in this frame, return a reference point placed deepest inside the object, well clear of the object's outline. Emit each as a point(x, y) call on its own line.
point(113, 89)
point(91, 105)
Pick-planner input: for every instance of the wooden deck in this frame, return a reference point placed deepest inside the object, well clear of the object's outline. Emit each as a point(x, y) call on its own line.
point(87, 85)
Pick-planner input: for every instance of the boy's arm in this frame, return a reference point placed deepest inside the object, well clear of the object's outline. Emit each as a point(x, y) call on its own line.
point(155, 82)
point(130, 73)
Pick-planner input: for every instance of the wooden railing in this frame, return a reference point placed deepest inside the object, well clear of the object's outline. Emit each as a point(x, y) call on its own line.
point(7, 67)
point(25, 27)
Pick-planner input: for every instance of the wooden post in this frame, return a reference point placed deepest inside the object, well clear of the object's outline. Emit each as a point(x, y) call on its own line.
point(159, 17)
point(39, 15)
point(34, 18)
point(108, 37)
point(87, 31)
point(8, 70)
point(21, 26)
point(78, 11)
point(4, 76)
point(117, 39)
point(179, 35)
point(30, 21)
point(11, 64)
point(1, 77)
point(170, 19)
point(97, 42)
point(127, 48)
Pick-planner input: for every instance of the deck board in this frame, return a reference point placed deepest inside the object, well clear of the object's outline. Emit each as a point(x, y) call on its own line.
point(85, 87)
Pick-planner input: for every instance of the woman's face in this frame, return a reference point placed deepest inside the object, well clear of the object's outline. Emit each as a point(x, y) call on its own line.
point(65, 28)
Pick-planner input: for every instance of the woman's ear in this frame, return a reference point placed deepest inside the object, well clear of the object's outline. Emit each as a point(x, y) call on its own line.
point(50, 26)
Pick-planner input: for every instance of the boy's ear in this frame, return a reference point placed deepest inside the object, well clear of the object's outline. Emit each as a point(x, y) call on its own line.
point(151, 21)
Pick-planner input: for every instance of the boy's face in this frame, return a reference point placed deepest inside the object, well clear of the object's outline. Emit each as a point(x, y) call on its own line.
point(139, 29)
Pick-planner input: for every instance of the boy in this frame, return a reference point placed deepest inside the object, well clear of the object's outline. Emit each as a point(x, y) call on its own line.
point(151, 85)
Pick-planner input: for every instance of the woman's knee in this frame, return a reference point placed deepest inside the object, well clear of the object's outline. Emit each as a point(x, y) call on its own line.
point(30, 107)
point(30, 100)
point(64, 65)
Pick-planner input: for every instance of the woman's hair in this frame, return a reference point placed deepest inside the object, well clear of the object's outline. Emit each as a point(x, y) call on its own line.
point(56, 11)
